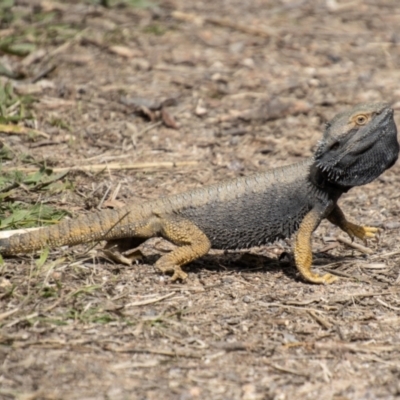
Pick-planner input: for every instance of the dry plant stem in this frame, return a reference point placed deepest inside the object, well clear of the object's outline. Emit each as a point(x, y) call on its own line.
point(21, 130)
point(131, 349)
point(322, 321)
point(24, 318)
point(151, 301)
point(356, 246)
point(356, 348)
point(227, 23)
point(287, 370)
point(348, 276)
point(388, 305)
point(115, 166)
point(7, 234)
point(8, 313)
point(385, 255)
point(63, 47)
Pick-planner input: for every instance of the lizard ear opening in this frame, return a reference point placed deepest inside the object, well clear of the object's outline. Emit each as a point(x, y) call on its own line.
point(334, 146)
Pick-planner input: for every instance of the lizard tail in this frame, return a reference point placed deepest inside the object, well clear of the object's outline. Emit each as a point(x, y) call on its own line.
point(92, 227)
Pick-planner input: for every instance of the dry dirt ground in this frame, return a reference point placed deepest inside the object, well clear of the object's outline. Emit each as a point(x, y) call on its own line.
point(163, 97)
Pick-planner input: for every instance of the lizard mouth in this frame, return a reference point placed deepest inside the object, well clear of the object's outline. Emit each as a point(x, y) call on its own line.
point(331, 173)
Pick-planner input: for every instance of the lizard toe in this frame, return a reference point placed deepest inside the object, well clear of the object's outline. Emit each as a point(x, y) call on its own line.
point(320, 279)
point(328, 279)
point(168, 267)
point(178, 275)
point(370, 231)
point(361, 232)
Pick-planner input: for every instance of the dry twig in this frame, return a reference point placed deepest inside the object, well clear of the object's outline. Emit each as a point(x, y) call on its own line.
point(150, 301)
point(224, 22)
point(356, 246)
point(322, 321)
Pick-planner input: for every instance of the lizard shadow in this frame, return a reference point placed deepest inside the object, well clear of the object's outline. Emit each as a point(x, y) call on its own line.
point(247, 262)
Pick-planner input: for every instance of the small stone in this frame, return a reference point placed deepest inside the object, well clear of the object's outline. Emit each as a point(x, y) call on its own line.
point(248, 62)
point(391, 225)
point(247, 299)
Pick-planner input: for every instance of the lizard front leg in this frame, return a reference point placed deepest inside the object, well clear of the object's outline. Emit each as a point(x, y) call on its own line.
point(303, 249)
point(337, 218)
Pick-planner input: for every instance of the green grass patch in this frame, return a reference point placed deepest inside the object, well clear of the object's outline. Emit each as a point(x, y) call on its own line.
point(16, 214)
point(155, 29)
point(21, 217)
point(60, 123)
point(49, 292)
point(94, 315)
point(13, 108)
point(40, 29)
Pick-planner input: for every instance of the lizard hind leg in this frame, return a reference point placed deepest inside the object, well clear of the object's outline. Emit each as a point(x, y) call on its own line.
point(191, 241)
point(124, 251)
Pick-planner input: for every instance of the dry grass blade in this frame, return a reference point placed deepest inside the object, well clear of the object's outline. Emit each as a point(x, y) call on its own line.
point(23, 318)
point(168, 353)
point(322, 321)
point(114, 166)
point(21, 130)
point(347, 276)
point(8, 313)
point(289, 307)
point(287, 370)
point(385, 255)
point(356, 348)
point(388, 305)
point(225, 22)
point(150, 301)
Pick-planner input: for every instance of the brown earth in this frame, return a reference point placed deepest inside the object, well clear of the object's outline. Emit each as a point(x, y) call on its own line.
point(220, 88)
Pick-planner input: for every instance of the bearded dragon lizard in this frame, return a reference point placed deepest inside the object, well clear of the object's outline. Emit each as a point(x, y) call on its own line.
point(357, 146)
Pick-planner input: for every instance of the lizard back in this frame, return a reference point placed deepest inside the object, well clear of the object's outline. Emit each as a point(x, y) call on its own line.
point(250, 211)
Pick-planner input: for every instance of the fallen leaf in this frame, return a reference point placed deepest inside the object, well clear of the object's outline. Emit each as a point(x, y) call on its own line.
point(168, 119)
point(124, 51)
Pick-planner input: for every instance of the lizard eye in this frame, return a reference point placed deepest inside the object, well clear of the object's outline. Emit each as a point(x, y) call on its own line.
point(361, 119)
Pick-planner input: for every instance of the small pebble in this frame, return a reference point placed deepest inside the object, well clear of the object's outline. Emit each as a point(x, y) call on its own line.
point(392, 225)
point(247, 299)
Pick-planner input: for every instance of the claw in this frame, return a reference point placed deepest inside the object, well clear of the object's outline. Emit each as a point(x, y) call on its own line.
point(361, 232)
point(166, 267)
point(178, 274)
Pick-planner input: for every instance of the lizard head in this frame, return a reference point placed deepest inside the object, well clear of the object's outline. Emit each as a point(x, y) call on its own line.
point(358, 145)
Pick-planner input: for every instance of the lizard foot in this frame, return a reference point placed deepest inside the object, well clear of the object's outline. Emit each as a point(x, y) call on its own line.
point(124, 251)
point(361, 232)
point(326, 279)
point(125, 258)
point(165, 267)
